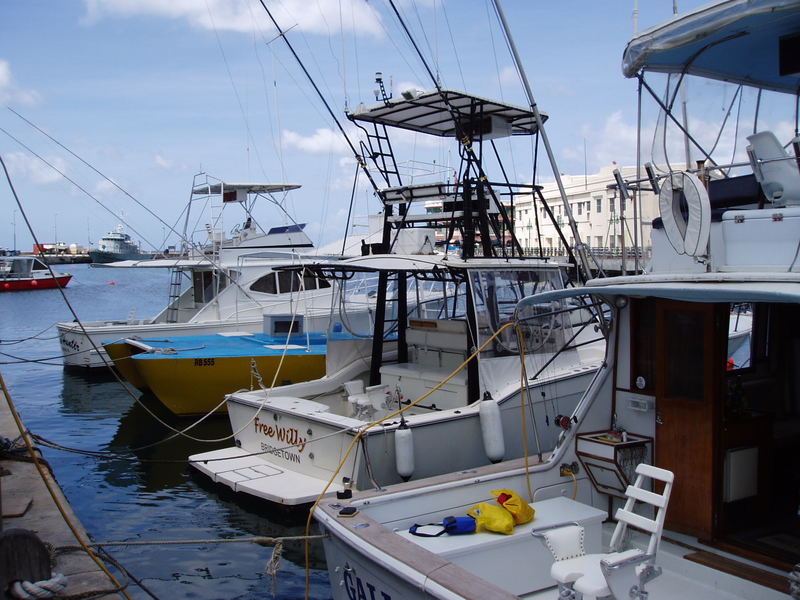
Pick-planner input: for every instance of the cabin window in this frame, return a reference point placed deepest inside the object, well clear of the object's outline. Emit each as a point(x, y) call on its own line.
point(740, 338)
point(312, 282)
point(266, 284)
point(684, 345)
point(643, 355)
point(288, 281)
point(203, 286)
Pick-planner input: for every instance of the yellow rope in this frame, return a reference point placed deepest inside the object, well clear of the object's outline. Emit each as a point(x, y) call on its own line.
point(369, 426)
point(523, 397)
point(39, 467)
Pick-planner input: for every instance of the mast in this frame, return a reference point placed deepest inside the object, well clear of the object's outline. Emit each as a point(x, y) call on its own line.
point(583, 260)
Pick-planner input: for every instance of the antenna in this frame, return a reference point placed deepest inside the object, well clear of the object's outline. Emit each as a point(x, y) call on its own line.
point(380, 93)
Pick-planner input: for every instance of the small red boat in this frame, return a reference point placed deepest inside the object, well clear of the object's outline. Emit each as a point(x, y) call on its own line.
point(28, 273)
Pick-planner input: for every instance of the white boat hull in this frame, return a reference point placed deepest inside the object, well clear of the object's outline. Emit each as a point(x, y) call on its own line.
point(86, 349)
point(324, 437)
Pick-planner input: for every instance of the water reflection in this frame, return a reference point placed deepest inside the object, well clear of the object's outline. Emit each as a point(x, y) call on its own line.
point(120, 496)
point(146, 490)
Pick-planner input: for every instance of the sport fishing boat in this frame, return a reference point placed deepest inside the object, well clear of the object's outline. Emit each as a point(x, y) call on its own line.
point(191, 374)
point(692, 456)
point(224, 284)
point(444, 309)
point(28, 273)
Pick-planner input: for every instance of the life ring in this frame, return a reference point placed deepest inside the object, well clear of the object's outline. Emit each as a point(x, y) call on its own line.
point(687, 234)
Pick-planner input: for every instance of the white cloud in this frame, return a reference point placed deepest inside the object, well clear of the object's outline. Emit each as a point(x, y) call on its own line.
point(10, 92)
point(166, 163)
point(31, 168)
point(508, 76)
point(239, 15)
point(103, 188)
point(615, 140)
point(322, 141)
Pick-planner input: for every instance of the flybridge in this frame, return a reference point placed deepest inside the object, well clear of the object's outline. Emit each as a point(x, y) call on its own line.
point(725, 41)
point(449, 113)
point(238, 192)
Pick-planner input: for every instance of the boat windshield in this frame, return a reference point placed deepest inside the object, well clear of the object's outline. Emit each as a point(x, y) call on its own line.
point(497, 293)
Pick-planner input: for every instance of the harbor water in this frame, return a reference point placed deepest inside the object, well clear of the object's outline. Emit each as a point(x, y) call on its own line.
point(123, 480)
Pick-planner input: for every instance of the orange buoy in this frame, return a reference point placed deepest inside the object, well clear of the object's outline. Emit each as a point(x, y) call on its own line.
point(112, 283)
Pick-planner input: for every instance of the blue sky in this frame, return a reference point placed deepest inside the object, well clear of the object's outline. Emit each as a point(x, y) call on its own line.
point(150, 93)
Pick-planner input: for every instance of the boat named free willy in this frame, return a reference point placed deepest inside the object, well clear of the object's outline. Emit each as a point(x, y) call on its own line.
point(433, 311)
point(718, 440)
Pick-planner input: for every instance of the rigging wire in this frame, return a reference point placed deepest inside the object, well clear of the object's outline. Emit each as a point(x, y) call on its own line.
point(250, 138)
point(202, 256)
point(453, 43)
point(434, 55)
point(75, 183)
point(119, 379)
point(35, 336)
point(276, 139)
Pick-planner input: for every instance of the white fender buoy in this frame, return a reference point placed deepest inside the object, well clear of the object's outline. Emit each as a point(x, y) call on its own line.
point(492, 429)
point(688, 235)
point(404, 451)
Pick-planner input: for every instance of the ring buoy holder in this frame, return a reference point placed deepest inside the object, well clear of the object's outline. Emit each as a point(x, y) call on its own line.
point(688, 231)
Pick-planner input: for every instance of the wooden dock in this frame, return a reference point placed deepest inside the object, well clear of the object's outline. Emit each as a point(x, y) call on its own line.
point(28, 505)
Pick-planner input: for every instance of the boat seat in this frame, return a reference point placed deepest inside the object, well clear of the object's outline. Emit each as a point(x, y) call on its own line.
point(618, 574)
point(514, 561)
point(775, 170)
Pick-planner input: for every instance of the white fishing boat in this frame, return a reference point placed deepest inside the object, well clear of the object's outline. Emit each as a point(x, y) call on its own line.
point(289, 441)
point(723, 488)
point(224, 283)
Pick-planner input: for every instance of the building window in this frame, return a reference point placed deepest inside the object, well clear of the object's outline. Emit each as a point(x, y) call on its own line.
point(588, 207)
point(580, 208)
point(598, 201)
point(611, 205)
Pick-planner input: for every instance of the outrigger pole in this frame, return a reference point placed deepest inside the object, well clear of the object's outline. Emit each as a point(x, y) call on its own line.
point(583, 265)
point(359, 158)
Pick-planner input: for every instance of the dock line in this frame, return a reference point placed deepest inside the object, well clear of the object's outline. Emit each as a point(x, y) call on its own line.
point(40, 468)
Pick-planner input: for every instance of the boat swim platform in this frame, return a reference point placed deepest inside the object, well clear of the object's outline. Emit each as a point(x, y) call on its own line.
point(27, 504)
point(248, 473)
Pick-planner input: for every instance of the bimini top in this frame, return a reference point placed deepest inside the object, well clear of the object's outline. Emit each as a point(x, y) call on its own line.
point(439, 113)
point(705, 287)
point(247, 188)
point(752, 42)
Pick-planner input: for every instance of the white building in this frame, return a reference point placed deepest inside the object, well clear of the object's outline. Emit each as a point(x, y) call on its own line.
point(605, 222)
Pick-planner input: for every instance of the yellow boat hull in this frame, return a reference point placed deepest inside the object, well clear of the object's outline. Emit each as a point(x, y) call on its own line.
point(193, 386)
point(121, 353)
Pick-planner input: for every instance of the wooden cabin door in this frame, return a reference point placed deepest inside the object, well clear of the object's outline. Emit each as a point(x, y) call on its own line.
point(689, 370)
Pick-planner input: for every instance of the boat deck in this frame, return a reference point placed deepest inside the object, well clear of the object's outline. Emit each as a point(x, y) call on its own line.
point(229, 344)
point(686, 577)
